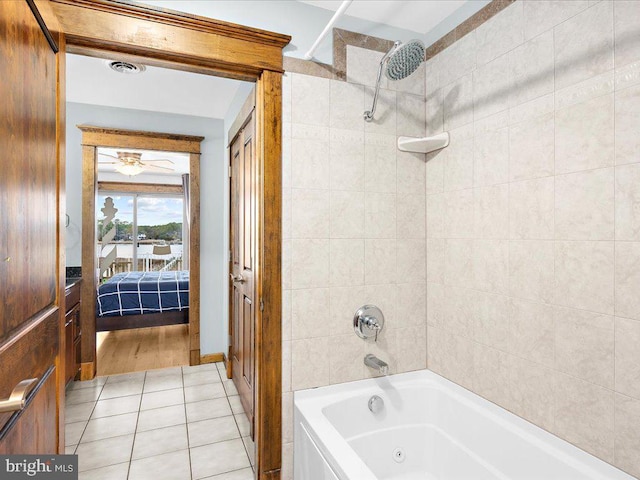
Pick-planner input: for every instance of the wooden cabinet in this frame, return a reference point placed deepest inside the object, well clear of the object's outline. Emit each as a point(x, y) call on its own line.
point(73, 331)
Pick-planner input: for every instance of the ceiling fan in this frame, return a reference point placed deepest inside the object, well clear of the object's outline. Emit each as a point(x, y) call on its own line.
point(130, 163)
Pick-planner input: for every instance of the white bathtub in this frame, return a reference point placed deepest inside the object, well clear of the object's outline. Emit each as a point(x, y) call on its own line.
point(429, 428)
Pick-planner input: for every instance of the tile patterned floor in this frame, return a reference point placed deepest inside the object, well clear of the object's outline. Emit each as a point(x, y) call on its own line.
point(183, 423)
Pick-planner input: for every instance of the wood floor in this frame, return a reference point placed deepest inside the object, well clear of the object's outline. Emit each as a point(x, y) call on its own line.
point(134, 350)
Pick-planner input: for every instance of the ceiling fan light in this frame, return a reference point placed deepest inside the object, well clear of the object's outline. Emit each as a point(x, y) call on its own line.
point(129, 169)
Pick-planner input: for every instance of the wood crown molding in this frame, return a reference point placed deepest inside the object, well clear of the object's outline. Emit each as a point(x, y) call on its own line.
point(130, 187)
point(183, 20)
point(117, 137)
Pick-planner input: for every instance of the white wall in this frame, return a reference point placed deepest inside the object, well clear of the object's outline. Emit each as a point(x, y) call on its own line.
point(213, 237)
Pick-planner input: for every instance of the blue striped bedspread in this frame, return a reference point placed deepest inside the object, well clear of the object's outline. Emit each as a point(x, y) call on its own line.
point(136, 293)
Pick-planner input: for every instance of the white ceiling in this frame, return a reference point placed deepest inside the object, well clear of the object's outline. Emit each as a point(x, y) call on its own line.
point(90, 80)
point(416, 16)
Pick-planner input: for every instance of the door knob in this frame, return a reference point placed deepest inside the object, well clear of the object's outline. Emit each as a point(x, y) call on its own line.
point(237, 278)
point(18, 396)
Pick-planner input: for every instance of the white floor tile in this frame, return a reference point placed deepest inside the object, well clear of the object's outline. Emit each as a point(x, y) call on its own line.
point(212, 431)
point(161, 417)
point(96, 382)
point(167, 382)
point(112, 472)
point(201, 378)
point(218, 458)
point(243, 424)
point(170, 466)
point(107, 427)
point(250, 447)
point(121, 389)
point(160, 441)
point(89, 394)
point(230, 387)
point(104, 452)
point(209, 391)
point(116, 406)
point(198, 368)
point(78, 412)
point(244, 474)
point(126, 377)
point(73, 432)
point(208, 409)
point(163, 372)
point(70, 449)
point(164, 398)
point(236, 404)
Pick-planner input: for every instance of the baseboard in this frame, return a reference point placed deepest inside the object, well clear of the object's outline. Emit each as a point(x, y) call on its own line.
point(212, 358)
point(87, 370)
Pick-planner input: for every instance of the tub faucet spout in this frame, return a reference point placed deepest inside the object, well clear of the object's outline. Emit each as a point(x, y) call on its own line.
point(374, 362)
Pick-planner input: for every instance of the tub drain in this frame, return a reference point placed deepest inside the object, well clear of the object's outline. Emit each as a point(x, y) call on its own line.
point(398, 455)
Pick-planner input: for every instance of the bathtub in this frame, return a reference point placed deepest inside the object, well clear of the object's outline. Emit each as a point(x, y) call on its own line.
point(429, 429)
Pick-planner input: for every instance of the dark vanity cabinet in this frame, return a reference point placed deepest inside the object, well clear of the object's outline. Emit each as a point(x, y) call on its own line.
point(73, 332)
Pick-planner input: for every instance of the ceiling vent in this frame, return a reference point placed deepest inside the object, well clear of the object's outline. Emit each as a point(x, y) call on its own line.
point(125, 67)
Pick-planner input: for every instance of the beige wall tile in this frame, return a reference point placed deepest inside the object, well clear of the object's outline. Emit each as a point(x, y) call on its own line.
point(436, 302)
point(491, 157)
point(411, 168)
point(414, 83)
point(584, 345)
point(309, 213)
point(491, 320)
point(492, 87)
point(410, 115)
point(584, 205)
point(309, 365)
point(458, 219)
point(458, 103)
point(347, 214)
point(458, 160)
point(531, 148)
point(533, 71)
point(305, 304)
point(347, 262)
point(491, 211)
point(309, 263)
point(385, 297)
point(627, 121)
point(346, 160)
point(362, 66)
point(532, 392)
point(491, 266)
point(531, 209)
point(626, 26)
point(585, 415)
point(346, 106)
point(500, 34)
point(436, 210)
point(434, 115)
point(542, 15)
point(584, 135)
point(435, 173)
point(459, 310)
point(310, 99)
point(531, 331)
point(411, 345)
point(310, 163)
point(458, 262)
point(627, 281)
point(584, 275)
point(380, 262)
point(627, 357)
point(436, 260)
point(410, 260)
point(627, 188)
point(627, 436)
point(456, 61)
point(346, 358)
point(380, 215)
point(411, 305)
point(380, 163)
point(576, 61)
point(531, 269)
point(411, 216)
point(432, 74)
point(344, 302)
point(491, 375)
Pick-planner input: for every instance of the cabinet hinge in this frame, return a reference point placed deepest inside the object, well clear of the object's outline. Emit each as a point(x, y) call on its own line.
point(261, 305)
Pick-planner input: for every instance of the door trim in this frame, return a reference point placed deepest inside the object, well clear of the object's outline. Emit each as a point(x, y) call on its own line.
point(187, 42)
point(92, 138)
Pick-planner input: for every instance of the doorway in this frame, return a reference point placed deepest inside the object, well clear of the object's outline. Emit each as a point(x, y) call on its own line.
point(214, 47)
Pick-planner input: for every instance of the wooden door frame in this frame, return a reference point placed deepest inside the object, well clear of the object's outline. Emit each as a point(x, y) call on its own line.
point(92, 139)
point(159, 37)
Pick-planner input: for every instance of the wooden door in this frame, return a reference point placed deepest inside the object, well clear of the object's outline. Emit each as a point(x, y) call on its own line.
point(242, 265)
point(29, 316)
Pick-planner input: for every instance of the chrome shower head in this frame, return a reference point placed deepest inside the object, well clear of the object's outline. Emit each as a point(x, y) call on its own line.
point(404, 60)
point(401, 61)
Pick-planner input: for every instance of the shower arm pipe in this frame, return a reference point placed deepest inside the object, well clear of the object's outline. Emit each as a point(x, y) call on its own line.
point(334, 19)
point(368, 115)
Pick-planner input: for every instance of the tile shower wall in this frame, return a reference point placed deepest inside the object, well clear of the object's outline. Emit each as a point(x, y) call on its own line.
point(354, 227)
point(533, 219)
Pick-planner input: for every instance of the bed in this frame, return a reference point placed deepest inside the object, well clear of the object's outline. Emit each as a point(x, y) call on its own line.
point(143, 299)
